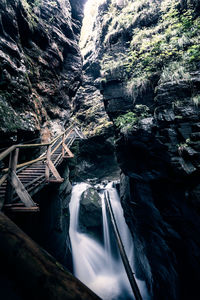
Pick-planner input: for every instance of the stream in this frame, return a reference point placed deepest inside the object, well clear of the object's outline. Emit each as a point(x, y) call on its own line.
point(99, 266)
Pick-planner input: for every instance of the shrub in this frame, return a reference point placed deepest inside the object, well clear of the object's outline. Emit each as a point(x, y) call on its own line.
point(130, 118)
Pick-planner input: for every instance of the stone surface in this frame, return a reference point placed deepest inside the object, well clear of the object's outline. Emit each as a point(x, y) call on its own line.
point(40, 64)
point(159, 153)
point(90, 213)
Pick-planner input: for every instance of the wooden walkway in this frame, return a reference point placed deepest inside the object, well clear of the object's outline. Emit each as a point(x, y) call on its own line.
point(19, 182)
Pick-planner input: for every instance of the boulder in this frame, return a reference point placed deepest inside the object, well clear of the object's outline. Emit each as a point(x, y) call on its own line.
point(90, 214)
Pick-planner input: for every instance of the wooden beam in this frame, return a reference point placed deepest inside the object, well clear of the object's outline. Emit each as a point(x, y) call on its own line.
point(18, 209)
point(63, 142)
point(54, 171)
point(47, 169)
point(7, 152)
point(70, 154)
point(12, 169)
point(122, 251)
point(3, 179)
point(21, 191)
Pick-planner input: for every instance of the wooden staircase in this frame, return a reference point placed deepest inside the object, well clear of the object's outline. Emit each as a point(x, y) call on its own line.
point(19, 182)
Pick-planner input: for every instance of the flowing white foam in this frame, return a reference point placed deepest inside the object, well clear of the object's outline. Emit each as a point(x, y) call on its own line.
point(94, 264)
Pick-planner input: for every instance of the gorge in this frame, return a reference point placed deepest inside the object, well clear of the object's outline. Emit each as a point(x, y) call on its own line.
point(131, 81)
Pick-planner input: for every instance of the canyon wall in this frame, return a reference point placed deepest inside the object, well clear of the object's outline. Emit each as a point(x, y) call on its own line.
point(40, 73)
point(40, 66)
point(146, 55)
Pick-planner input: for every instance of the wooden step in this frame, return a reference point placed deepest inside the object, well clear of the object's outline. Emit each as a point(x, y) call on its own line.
point(55, 180)
point(23, 209)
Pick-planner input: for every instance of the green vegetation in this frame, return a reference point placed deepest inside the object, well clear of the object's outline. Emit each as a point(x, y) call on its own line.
point(175, 38)
point(128, 120)
point(32, 18)
point(169, 47)
point(182, 146)
point(9, 121)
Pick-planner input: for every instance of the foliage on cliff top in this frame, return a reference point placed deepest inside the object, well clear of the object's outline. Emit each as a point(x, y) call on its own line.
point(164, 39)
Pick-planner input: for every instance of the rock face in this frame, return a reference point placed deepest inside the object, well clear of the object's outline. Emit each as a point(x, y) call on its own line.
point(40, 72)
point(40, 64)
point(90, 214)
point(149, 58)
point(96, 160)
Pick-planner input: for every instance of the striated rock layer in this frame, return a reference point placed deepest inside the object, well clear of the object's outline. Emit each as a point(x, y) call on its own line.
point(40, 65)
point(149, 58)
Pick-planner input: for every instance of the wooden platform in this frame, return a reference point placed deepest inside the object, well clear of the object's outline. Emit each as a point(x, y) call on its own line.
point(19, 183)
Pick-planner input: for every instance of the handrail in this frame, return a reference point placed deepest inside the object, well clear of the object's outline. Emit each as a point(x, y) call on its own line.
point(43, 157)
point(13, 147)
point(7, 152)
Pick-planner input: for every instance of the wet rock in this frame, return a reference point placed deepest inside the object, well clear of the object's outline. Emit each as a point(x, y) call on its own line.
point(159, 153)
point(90, 214)
point(40, 61)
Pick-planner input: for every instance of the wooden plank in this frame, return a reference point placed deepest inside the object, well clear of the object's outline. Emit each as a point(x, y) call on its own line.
point(54, 171)
point(47, 169)
point(56, 148)
point(79, 134)
point(3, 179)
point(35, 189)
point(28, 176)
point(14, 204)
point(34, 181)
point(56, 180)
point(63, 141)
point(70, 154)
point(22, 209)
point(26, 163)
point(27, 146)
point(21, 191)
point(12, 168)
point(7, 152)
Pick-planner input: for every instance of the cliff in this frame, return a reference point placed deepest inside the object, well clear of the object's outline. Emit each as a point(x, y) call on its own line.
point(40, 72)
point(40, 66)
point(148, 55)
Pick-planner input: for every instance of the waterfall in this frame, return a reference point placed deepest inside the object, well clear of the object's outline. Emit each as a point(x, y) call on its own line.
point(99, 266)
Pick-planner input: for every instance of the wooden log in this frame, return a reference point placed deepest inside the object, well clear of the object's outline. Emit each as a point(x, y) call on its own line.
point(36, 273)
point(70, 154)
point(47, 170)
point(63, 142)
point(54, 171)
point(21, 191)
point(7, 152)
point(123, 255)
point(23, 209)
point(3, 179)
point(11, 172)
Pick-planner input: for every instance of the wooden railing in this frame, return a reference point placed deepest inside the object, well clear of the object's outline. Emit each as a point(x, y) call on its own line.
point(58, 148)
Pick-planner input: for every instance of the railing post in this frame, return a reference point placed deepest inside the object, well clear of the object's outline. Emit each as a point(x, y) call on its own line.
point(63, 142)
point(12, 168)
point(47, 170)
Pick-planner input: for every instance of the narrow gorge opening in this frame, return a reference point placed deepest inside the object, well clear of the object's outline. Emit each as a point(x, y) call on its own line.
point(95, 254)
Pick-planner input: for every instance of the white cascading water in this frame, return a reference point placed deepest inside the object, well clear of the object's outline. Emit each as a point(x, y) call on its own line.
point(95, 264)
